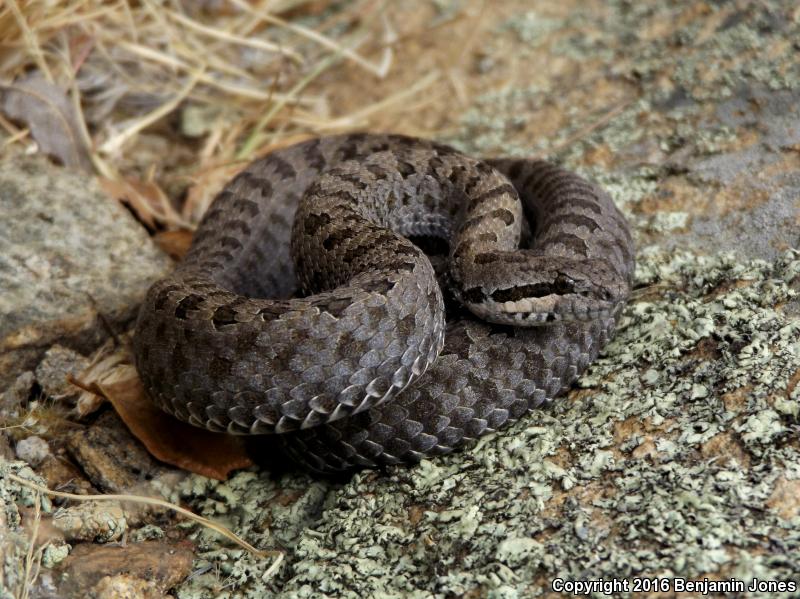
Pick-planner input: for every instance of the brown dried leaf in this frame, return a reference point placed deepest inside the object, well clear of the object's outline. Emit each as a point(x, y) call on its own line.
point(145, 198)
point(48, 113)
point(174, 243)
point(111, 363)
point(167, 439)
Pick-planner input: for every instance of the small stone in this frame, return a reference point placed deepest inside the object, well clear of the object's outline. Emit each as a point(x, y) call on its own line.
point(150, 569)
point(54, 554)
point(33, 450)
point(112, 458)
point(62, 474)
point(92, 521)
point(148, 532)
point(58, 363)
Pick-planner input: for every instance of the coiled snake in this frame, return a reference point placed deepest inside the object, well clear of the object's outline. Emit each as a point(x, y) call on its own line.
point(226, 343)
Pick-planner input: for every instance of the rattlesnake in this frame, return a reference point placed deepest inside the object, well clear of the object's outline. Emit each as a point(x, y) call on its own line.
point(372, 363)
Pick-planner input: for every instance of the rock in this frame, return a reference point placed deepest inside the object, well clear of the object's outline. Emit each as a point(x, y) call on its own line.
point(6, 453)
point(102, 521)
point(58, 363)
point(110, 456)
point(148, 570)
point(129, 587)
point(67, 253)
point(60, 473)
point(32, 450)
point(16, 395)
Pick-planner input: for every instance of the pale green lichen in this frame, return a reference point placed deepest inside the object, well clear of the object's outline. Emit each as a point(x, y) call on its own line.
point(52, 555)
point(14, 538)
point(146, 533)
point(532, 28)
point(486, 522)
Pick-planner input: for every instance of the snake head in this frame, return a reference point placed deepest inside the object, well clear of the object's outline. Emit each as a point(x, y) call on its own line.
point(525, 288)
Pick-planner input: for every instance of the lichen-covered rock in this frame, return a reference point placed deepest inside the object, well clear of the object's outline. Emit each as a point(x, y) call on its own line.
point(67, 253)
point(15, 528)
point(677, 454)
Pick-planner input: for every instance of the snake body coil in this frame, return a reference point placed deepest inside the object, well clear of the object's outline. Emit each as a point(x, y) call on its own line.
point(223, 342)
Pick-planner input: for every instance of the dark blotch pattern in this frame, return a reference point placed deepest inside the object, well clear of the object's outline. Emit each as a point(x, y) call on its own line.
point(188, 304)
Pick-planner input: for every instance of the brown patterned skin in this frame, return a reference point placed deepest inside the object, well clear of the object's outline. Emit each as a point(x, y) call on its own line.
point(363, 368)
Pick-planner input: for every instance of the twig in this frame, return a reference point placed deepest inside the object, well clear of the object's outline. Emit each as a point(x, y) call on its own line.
point(260, 553)
point(581, 133)
point(28, 579)
point(104, 322)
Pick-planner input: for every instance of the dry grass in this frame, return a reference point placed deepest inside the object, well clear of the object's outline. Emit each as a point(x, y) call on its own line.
point(32, 562)
point(171, 97)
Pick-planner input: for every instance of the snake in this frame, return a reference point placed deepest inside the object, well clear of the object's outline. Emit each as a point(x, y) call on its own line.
point(376, 299)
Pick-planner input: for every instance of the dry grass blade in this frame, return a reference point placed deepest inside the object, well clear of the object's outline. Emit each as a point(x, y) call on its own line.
point(596, 124)
point(260, 553)
point(360, 117)
point(115, 143)
point(46, 109)
point(257, 136)
point(380, 70)
point(234, 39)
point(33, 559)
point(233, 88)
point(31, 41)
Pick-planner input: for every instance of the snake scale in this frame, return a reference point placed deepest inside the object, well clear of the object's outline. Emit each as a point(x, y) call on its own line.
point(303, 308)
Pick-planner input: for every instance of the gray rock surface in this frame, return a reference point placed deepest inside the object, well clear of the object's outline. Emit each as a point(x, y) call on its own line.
point(57, 364)
point(15, 395)
point(67, 253)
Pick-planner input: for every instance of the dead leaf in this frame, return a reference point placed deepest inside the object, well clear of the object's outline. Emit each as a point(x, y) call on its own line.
point(111, 363)
point(174, 243)
point(146, 199)
point(50, 115)
point(168, 439)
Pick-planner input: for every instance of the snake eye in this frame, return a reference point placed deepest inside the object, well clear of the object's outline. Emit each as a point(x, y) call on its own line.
point(563, 284)
point(474, 295)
